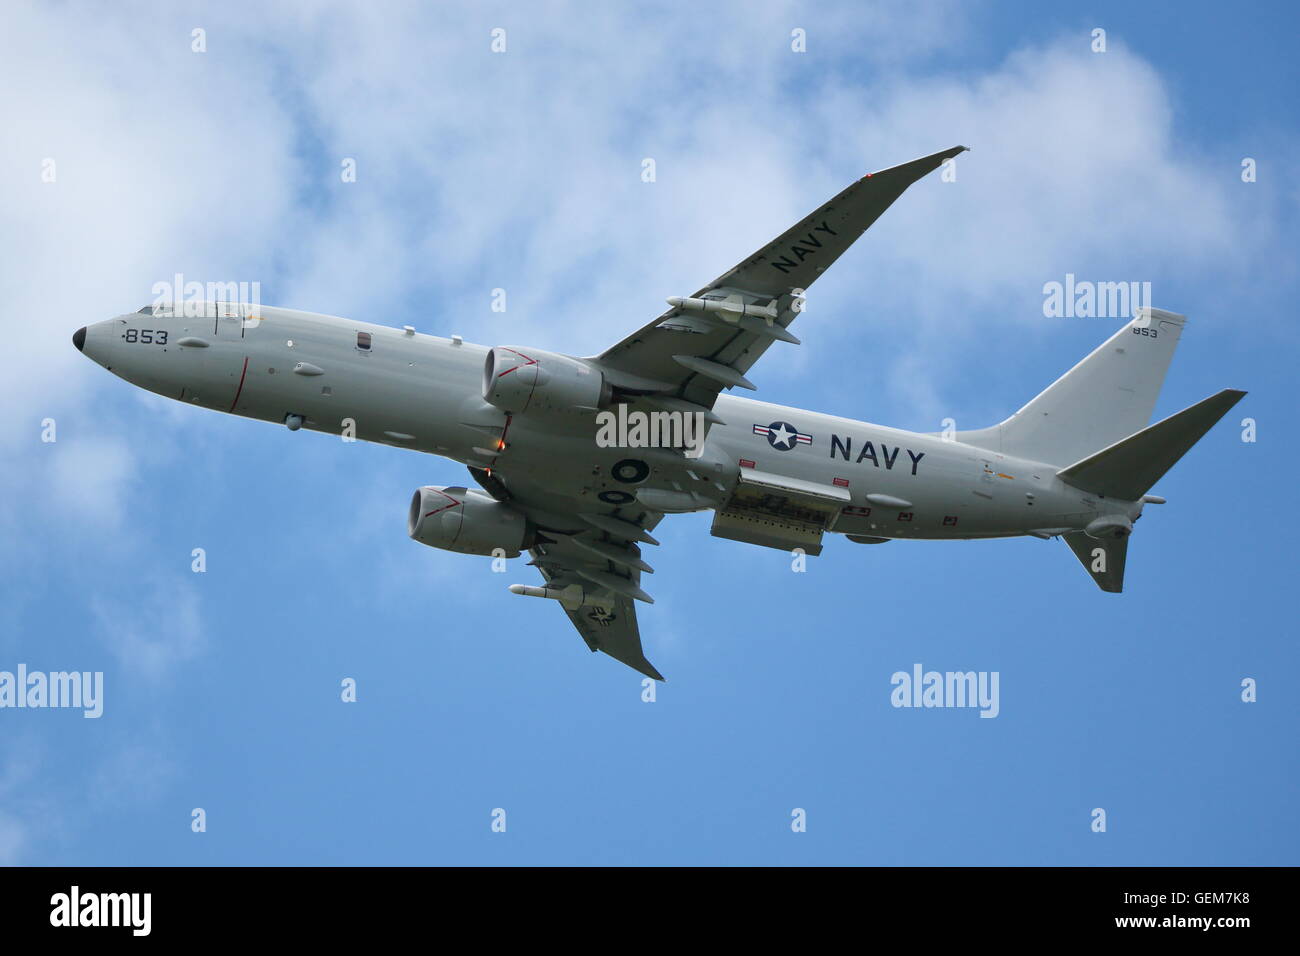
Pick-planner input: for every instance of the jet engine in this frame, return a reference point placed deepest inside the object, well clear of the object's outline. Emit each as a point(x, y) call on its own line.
point(459, 519)
point(524, 380)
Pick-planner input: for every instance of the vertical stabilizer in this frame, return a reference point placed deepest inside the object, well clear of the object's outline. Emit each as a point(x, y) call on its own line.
point(1107, 396)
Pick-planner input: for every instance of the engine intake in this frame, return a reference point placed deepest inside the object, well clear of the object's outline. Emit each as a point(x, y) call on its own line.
point(464, 520)
point(524, 380)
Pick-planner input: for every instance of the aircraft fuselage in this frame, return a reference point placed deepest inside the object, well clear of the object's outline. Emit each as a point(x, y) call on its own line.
point(423, 392)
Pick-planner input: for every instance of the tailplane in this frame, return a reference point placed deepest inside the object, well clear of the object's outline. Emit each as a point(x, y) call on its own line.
point(1128, 468)
point(1106, 397)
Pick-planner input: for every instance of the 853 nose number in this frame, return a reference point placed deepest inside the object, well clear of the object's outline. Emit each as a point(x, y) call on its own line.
point(147, 336)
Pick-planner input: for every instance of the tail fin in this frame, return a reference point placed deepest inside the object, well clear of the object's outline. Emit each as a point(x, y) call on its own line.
point(1101, 558)
point(1128, 468)
point(1109, 395)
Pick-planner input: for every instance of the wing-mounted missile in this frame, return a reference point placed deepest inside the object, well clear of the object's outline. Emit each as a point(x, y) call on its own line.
point(734, 311)
point(572, 597)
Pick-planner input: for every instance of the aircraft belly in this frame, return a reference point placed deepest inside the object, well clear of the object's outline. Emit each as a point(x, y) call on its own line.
point(561, 468)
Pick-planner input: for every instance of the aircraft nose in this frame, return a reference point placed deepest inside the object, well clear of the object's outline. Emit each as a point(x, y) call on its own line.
point(79, 338)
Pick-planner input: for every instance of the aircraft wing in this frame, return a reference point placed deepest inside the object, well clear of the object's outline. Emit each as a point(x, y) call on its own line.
point(598, 563)
point(594, 571)
point(707, 341)
point(614, 630)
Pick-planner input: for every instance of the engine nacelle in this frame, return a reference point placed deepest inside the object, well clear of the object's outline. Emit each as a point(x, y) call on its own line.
point(531, 381)
point(459, 519)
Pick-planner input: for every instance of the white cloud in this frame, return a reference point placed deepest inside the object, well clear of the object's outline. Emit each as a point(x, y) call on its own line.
point(158, 629)
point(90, 478)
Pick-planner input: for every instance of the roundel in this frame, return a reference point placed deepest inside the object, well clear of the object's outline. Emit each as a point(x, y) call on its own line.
point(615, 497)
point(783, 436)
point(631, 471)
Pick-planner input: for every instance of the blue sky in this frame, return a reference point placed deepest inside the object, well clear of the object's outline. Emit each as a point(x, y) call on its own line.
point(522, 171)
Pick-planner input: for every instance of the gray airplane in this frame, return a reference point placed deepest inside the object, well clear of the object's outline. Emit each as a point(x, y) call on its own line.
point(577, 459)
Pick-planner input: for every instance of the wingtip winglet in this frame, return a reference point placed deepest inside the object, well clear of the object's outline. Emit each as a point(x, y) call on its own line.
point(922, 165)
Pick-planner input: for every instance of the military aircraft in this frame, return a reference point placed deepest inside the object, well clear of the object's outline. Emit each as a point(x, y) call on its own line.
point(578, 459)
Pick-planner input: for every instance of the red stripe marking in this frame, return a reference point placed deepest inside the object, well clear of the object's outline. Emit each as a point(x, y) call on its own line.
point(453, 504)
point(240, 390)
point(515, 368)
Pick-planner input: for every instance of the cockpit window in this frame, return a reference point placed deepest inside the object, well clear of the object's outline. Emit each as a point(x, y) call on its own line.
point(363, 341)
point(147, 310)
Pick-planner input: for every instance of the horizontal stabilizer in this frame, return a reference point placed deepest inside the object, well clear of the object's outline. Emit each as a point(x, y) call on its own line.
point(1128, 468)
point(1101, 558)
